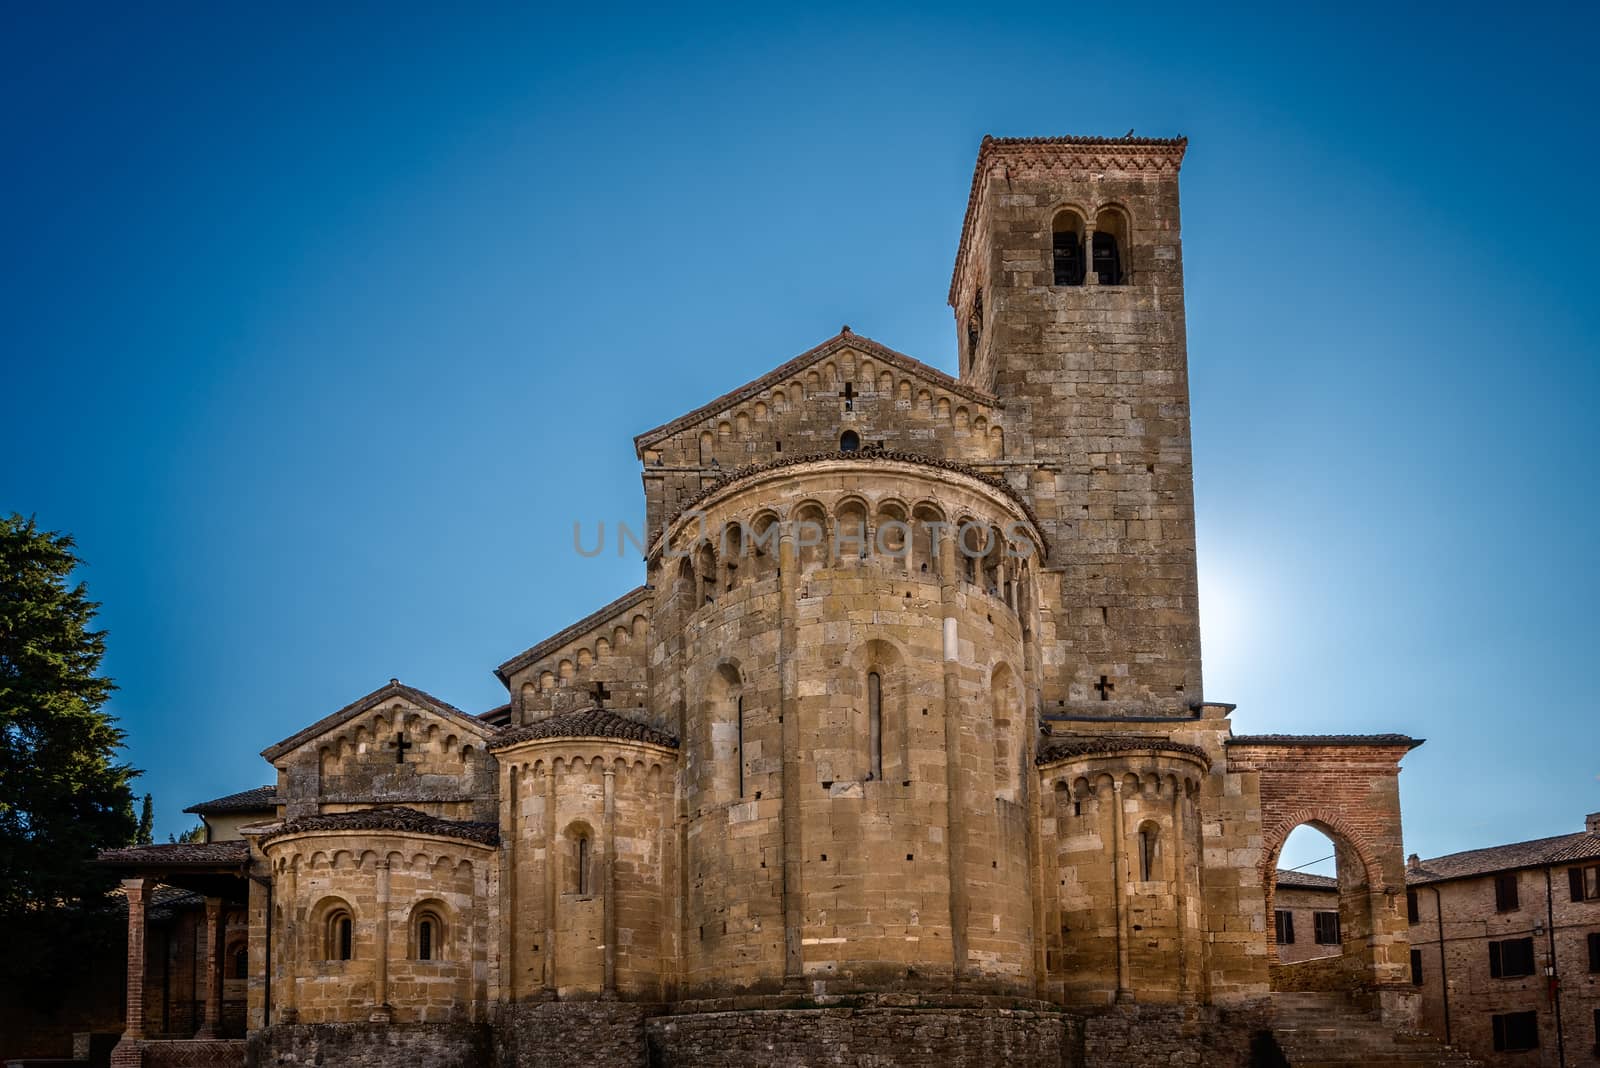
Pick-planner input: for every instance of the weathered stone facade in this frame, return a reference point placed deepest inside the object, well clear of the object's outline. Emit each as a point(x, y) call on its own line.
point(899, 753)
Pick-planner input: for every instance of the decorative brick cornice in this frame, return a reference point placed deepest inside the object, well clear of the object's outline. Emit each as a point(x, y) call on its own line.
point(1135, 155)
point(740, 474)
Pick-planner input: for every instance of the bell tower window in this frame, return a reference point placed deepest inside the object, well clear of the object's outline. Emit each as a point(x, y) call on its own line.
point(1110, 247)
point(974, 327)
point(1067, 249)
point(1107, 259)
point(850, 441)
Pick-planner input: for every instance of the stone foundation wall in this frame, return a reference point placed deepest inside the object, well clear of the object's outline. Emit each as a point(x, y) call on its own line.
point(571, 1034)
point(850, 1033)
point(864, 1038)
point(363, 1045)
point(1177, 1035)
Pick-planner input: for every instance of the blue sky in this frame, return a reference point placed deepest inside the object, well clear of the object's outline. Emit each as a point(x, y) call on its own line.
point(323, 327)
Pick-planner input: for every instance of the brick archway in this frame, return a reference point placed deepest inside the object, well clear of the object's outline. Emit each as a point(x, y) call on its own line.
point(1347, 787)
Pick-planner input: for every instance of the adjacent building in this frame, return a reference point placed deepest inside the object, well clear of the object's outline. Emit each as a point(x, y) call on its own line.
point(1505, 948)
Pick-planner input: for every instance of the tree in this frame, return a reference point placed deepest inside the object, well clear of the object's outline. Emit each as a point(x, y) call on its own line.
point(193, 835)
point(147, 823)
point(63, 794)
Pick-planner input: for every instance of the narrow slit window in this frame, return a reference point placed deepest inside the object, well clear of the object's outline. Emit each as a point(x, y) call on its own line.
point(739, 728)
point(875, 723)
point(425, 940)
point(1148, 838)
point(583, 865)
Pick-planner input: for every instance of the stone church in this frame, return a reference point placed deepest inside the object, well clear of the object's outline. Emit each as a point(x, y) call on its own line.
point(900, 751)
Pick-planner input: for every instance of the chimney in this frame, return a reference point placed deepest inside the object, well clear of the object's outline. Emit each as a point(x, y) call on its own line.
point(1413, 862)
point(1591, 823)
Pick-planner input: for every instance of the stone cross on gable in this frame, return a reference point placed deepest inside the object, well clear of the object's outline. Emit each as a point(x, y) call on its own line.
point(600, 694)
point(1105, 686)
point(400, 747)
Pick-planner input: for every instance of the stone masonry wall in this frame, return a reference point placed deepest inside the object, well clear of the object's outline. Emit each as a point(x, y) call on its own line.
point(865, 1038)
point(365, 1045)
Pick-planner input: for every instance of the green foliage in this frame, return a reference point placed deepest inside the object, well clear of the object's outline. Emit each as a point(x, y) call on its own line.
point(147, 823)
point(197, 833)
point(63, 795)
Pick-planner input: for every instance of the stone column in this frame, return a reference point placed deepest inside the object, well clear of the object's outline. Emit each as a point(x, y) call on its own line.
point(381, 1012)
point(288, 946)
point(1090, 278)
point(789, 721)
point(550, 877)
point(1180, 886)
point(950, 572)
point(1119, 868)
point(608, 886)
point(211, 1025)
point(136, 891)
point(508, 881)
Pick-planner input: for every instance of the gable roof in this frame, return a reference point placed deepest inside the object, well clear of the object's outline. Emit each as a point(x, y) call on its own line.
point(261, 799)
point(1562, 849)
point(844, 339)
point(1305, 880)
point(588, 723)
point(566, 634)
point(394, 689)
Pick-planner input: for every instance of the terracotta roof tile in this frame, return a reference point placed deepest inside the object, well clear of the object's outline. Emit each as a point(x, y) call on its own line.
point(396, 818)
point(1562, 849)
point(588, 723)
point(844, 339)
point(1325, 739)
point(1060, 748)
point(1305, 880)
point(178, 855)
point(260, 799)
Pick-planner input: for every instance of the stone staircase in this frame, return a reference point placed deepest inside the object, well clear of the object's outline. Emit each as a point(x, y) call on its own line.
point(1327, 1031)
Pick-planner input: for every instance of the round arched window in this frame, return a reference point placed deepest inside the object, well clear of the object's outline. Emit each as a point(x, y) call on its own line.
point(850, 441)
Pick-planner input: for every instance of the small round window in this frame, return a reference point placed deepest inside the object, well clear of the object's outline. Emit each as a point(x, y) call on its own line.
point(850, 441)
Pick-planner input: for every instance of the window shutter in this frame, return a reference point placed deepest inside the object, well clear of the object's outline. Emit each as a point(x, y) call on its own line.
point(1494, 973)
point(1413, 913)
point(1575, 879)
point(1499, 1030)
point(1416, 967)
point(1594, 959)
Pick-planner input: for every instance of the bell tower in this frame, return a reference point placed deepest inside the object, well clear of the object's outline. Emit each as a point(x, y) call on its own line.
point(1068, 297)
